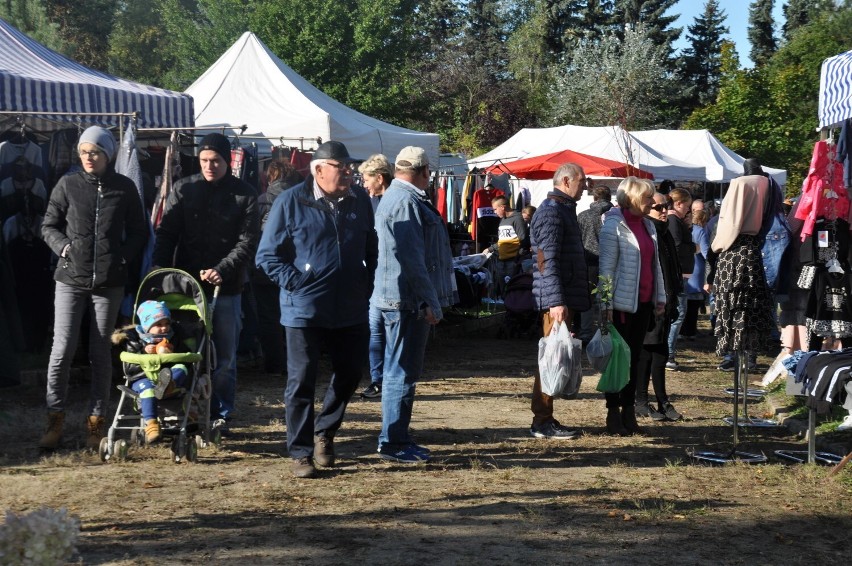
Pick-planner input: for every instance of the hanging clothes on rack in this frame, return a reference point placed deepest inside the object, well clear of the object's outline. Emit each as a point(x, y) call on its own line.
point(127, 164)
point(441, 196)
point(11, 150)
point(171, 172)
point(484, 222)
point(823, 193)
point(22, 191)
point(61, 154)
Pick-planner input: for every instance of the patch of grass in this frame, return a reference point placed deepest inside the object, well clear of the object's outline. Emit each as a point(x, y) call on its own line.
point(654, 508)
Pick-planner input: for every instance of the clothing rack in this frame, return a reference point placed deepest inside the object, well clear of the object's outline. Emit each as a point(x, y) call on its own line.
point(242, 129)
point(79, 115)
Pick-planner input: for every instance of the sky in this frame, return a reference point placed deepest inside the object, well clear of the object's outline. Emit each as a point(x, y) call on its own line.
point(737, 22)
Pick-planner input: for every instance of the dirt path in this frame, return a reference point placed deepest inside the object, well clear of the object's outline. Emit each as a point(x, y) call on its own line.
point(492, 493)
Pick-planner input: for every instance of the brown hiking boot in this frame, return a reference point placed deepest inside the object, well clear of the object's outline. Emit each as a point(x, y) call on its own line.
point(324, 451)
point(152, 431)
point(303, 467)
point(94, 432)
point(53, 434)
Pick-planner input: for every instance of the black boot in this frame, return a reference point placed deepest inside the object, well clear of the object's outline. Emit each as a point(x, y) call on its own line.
point(613, 422)
point(628, 420)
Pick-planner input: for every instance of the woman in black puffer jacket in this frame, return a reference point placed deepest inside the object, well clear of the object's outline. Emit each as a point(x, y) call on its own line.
point(96, 225)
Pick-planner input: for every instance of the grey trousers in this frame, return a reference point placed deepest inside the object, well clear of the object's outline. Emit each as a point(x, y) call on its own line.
point(70, 304)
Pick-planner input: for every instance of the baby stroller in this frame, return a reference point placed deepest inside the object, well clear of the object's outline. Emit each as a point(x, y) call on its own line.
point(521, 312)
point(185, 414)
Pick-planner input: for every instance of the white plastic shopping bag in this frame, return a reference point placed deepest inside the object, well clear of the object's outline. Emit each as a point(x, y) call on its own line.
point(559, 362)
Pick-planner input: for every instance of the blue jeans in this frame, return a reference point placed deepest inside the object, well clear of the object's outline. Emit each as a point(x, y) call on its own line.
point(675, 330)
point(347, 348)
point(405, 334)
point(227, 324)
point(70, 305)
point(377, 345)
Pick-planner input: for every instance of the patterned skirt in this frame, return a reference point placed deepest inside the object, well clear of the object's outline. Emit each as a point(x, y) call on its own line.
point(743, 301)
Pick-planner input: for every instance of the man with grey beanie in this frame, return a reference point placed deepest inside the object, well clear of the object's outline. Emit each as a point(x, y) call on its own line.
point(210, 229)
point(96, 225)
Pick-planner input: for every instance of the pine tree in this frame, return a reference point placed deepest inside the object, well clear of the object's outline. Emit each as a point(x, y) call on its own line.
point(629, 14)
point(702, 60)
point(30, 17)
point(798, 13)
point(761, 31)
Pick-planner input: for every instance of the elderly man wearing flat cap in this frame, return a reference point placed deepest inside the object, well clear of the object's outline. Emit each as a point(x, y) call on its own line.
point(414, 284)
point(210, 229)
point(320, 247)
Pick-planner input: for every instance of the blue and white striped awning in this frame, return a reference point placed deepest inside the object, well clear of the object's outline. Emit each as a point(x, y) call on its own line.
point(835, 90)
point(34, 78)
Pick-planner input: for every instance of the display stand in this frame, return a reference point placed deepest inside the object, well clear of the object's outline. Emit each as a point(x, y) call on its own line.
point(811, 456)
point(735, 455)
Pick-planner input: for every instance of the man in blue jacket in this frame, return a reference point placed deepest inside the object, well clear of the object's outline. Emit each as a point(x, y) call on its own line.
point(320, 247)
point(560, 280)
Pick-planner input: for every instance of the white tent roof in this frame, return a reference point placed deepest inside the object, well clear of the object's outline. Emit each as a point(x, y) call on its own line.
point(250, 85)
point(700, 147)
point(610, 142)
point(34, 78)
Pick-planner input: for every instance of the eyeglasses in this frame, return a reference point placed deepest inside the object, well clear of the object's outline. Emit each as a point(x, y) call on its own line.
point(340, 166)
point(94, 154)
point(659, 207)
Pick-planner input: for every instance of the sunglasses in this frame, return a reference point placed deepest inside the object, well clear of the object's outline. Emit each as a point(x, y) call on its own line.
point(659, 207)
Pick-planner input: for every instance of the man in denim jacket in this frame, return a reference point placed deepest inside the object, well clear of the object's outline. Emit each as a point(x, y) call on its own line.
point(414, 281)
point(320, 247)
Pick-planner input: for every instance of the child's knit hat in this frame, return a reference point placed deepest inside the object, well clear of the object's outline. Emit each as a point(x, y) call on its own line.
point(150, 312)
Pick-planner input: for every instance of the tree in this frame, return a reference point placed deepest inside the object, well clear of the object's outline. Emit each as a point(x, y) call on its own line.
point(771, 111)
point(650, 14)
point(614, 81)
point(702, 60)
point(798, 13)
point(199, 31)
point(85, 27)
point(761, 31)
point(139, 46)
point(30, 17)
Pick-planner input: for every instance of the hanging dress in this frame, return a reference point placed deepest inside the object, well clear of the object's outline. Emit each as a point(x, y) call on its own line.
point(743, 300)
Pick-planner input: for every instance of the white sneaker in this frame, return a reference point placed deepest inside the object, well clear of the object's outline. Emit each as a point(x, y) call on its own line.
point(846, 424)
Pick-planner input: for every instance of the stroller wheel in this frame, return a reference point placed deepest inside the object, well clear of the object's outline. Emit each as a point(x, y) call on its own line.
point(120, 449)
point(137, 436)
point(103, 449)
point(177, 450)
point(191, 449)
point(215, 433)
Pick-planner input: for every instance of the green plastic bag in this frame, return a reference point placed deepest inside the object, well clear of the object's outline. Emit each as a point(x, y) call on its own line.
point(617, 372)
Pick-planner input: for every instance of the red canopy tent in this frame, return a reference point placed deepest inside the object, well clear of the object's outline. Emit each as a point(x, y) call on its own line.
point(544, 166)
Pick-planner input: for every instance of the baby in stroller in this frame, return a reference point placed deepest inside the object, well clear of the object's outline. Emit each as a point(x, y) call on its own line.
point(154, 334)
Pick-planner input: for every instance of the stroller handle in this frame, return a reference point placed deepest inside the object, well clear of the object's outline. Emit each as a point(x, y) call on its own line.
point(216, 290)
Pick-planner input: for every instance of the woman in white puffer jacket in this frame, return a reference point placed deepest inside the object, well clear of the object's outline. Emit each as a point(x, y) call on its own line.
point(629, 257)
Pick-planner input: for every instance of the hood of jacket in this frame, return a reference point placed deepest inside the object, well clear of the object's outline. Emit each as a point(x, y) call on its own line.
point(600, 206)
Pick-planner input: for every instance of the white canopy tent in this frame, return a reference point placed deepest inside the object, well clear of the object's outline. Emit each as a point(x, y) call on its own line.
point(610, 142)
point(249, 85)
point(700, 147)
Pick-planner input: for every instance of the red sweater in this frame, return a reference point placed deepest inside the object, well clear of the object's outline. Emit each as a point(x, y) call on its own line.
point(646, 253)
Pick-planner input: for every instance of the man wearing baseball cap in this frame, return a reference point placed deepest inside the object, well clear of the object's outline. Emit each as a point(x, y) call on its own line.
point(415, 283)
point(319, 246)
point(210, 229)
